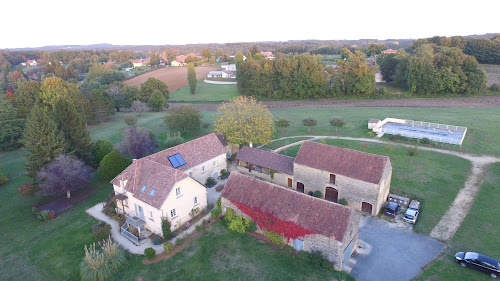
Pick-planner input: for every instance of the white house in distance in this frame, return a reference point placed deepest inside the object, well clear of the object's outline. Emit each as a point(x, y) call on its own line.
point(268, 55)
point(32, 63)
point(220, 74)
point(140, 62)
point(168, 184)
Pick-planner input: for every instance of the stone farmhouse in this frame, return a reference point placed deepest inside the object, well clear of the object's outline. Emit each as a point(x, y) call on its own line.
point(169, 183)
point(306, 223)
point(363, 179)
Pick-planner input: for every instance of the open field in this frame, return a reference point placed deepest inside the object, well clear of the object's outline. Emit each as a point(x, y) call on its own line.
point(479, 232)
point(493, 72)
point(174, 77)
point(432, 178)
point(220, 254)
point(205, 92)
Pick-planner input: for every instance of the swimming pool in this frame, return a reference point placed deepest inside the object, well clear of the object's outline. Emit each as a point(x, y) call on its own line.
point(432, 131)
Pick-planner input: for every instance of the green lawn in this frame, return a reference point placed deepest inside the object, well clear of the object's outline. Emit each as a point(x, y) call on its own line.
point(432, 178)
point(205, 92)
point(483, 135)
point(221, 254)
point(479, 232)
point(280, 143)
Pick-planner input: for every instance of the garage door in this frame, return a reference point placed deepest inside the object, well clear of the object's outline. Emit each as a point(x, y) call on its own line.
point(347, 253)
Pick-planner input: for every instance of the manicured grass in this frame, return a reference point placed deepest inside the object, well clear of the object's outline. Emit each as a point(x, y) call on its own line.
point(221, 254)
point(483, 136)
point(478, 233)
point(280, 143)
point(205, 92)
point(432, 178)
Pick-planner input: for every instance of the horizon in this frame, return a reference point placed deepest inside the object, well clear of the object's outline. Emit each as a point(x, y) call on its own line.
point(228, 22)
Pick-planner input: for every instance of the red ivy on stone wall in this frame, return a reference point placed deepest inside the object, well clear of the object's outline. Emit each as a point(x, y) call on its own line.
point(271, 223)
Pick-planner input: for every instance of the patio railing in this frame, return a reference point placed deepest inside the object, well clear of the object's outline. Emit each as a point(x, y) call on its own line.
point(129, 235)
point(135, 221)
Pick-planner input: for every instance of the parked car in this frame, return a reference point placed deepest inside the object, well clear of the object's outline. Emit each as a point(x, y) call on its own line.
point(411, 214)
point(392, 209)
point(479, 262)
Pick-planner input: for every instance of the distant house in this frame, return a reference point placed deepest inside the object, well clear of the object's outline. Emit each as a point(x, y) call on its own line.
point(221, 74)
point(224, 66)
point(268, 55)
point(179, 61)
point(267, 165)
point(32, 63)
point(140, 62)
point(169, 183)
point(305, 222)
point(389, 51)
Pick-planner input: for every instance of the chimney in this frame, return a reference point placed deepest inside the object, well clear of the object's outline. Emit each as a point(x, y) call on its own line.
point(251, 145)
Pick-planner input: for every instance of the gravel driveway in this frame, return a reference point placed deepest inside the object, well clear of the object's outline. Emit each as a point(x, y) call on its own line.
point(389, 252)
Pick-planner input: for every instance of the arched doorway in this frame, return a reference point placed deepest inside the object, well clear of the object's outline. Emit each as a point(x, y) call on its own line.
point(331, 194)
point(300, 187)
point(366, 207)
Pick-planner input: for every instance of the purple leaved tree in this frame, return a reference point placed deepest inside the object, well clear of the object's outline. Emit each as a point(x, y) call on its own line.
point(137, 142)
point(63, 175)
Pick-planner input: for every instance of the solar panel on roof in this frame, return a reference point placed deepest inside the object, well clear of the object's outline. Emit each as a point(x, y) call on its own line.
point(180, 159)
point(152, 192)
point(143, 188)
point(173, 161)
point(176, 160)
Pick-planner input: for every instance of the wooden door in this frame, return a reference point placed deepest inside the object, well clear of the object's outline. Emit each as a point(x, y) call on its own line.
point(331, 194)
point(289, 182)
point(366, 207)
point(300, 187)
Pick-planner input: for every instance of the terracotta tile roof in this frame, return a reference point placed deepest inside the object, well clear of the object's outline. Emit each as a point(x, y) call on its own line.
point(137, 61)
point(222, 139)
point(193, 152)
point(314, 214)
point(347, 162)
point(389, 51)
point(152, 175)
point(266, 159)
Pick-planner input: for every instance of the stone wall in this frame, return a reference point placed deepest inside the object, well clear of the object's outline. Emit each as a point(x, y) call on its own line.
point(331, 248)
point(279, 178)
point(354, 191)
point(206, 169)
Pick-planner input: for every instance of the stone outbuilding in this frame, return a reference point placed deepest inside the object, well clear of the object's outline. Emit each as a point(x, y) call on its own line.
point(266, 165)
point(306, 223)
point(372, 123)
point(363, 179)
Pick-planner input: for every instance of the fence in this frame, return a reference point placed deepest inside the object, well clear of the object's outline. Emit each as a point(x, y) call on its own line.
point(405, 133)
point(129, 235)
point(435, 125)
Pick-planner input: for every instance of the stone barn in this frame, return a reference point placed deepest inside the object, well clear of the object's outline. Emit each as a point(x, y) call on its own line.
point(266, 165)
point(306, 223)
point(363, 179)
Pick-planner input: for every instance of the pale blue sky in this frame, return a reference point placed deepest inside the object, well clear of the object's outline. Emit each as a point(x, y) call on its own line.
point(35, 23)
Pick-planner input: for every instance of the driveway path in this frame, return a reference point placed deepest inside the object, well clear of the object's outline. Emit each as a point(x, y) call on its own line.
point(453, 218)
point(388, 252)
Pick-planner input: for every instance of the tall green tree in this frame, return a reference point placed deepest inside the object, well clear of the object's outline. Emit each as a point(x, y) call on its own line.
point(28, 95)
point(102, 105)
point(191, 77)
point(11, 127)
point(353, 76)
point(148, 87)
point(206, 53)
point(157, 100)
point(249, 55)
point(74, 130)
point(184, 118)
point(239, 57)
point(254, 50)
point(42, 141)
point(154, 59)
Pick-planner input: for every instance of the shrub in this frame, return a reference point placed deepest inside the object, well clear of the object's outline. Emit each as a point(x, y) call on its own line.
point(412, 151)
point(495, 88)
point(26, 188)
point(224, 174)
point(230, 214)
point(214, 213)
point(337, 122)
point(179, 241)
point(199, 227)
point(3, 178)
point(112, 164)
point(425, 141)
point(318, 194)
point(274, 237)
point(272, 172)
point(237, 225)
point(43, 215)
point(310, 193)
point(101, 230)
point(100, 265)
point(318, 260)
point(184, 118)
point(343, 201)
point(210, 182)
point(150, 253)
point(165, 228)
point(156, 240)
point(309, 122)
point(252, 227)
point(218, 205)
point(194, 212)
point(137, 142)
point(101, 148)
point(130, 120)
point(173, 139)
point(205, 222)
point(168, 247)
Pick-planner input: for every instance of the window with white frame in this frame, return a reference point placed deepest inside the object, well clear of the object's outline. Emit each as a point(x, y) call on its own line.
point(173, 214)
point(195, 201)
point(178, 192)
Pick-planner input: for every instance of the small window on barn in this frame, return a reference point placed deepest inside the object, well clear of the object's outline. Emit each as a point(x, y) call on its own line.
point(332, 178)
